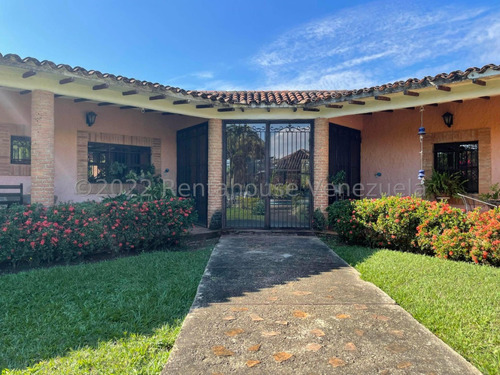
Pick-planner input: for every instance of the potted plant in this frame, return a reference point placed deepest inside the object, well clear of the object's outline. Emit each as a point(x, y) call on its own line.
point(339, 183)
point(493, 196)
point(443, 185)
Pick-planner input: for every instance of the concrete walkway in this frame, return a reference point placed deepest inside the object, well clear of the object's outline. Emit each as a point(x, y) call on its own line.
point(284, 304)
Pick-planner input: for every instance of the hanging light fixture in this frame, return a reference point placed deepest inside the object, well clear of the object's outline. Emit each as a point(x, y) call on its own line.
point(90, 118)
point(421, 133)
point(448, 119)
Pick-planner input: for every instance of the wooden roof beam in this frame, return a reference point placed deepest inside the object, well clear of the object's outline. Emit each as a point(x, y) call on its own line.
point(178, 102)
point(383, 98)
point(410, 93)
point(479, 82)
point(64, 81)
point(443, 88)
point(102, 86)
point(157, 97)
point(200, 106)
point(29, 73)
point(338, 106)
point(356, 102)
point(130, 92)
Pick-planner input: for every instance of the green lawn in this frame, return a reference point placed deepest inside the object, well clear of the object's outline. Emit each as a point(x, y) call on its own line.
point(459, 302)
point(113, 317)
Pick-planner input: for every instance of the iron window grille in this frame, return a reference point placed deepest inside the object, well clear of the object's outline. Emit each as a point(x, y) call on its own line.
point(461, 157)
point(108, 162)
point(20, 150)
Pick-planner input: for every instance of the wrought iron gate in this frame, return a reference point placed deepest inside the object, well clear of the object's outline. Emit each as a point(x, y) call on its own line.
point(267, 174)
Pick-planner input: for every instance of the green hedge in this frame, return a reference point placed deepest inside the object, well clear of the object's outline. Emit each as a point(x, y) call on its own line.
point(417, 225)
point(65, 232)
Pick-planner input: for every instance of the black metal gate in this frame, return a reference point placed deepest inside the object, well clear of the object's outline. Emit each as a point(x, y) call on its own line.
point(268, 174)
point(192, 167)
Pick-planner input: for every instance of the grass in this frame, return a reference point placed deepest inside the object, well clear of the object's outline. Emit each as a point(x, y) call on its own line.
point(113, 317)
point(459, 302)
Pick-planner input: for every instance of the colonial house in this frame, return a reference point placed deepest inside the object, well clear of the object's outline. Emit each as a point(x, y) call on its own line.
point(71, 134)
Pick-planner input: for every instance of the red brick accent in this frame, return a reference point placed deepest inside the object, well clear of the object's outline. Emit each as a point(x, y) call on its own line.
point(321, 128)
point(214, 167)
point(42, 147)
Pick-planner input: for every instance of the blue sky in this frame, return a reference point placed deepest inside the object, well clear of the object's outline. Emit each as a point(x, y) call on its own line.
point(256, 45)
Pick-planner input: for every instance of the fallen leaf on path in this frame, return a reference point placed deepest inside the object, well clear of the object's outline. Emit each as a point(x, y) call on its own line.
point(396, 348)
point(359, 332)
point(252, 362)
point(254, 348)
point(397, 333)
point(350, 346)
point(301, 293)
point(229, 318)
point(336, 362)
point(300, 314)
point(221, 351)
point(402, 365)
point(234, 332)
point(256, 318)
point(282, 356)
point(235, 309)
point(317, 332)
point(282, 322)
point(313, 347)
point(343, 316)
point(270, 333)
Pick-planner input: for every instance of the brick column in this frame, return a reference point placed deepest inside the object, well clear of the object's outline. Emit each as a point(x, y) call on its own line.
point(42, 147)
point(214, 167)
point(321, 133)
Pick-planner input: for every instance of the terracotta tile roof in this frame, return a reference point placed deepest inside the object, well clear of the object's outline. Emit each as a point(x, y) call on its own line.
point(292, 162)
point(257, 98)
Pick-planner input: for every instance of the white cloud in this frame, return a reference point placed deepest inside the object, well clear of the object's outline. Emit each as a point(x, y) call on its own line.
point(377, 43)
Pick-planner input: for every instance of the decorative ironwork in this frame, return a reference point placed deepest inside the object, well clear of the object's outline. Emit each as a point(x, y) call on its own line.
point(108, 162)
point(20, 150)
point(462, 157)
point(268, 175)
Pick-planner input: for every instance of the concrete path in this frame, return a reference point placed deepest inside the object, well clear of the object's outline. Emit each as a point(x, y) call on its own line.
point(283, 304)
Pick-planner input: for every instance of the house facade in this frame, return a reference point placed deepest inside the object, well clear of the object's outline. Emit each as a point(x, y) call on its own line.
point(264, 159)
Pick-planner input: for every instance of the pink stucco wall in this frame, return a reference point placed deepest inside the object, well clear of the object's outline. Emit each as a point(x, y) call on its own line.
point(390, 144)
point(70, 118)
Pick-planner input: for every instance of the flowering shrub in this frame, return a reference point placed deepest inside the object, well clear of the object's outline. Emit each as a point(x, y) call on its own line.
point(36, 234)
point(417, 225)
point(342, 219)
point(435, 219)
point(479, 242)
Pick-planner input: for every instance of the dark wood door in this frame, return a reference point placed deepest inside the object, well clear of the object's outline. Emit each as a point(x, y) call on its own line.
point(192, 167)
point(345, 155)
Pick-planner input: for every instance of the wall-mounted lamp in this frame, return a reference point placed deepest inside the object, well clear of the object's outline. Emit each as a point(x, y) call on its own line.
point(448, 119)
point(90, 118)
point(421, 131)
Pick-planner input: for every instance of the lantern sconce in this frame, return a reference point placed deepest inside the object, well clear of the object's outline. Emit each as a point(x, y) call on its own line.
point(90, 118)
point(448, 119)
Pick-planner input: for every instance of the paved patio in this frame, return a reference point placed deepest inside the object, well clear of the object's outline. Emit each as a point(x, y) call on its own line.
point(284, 304)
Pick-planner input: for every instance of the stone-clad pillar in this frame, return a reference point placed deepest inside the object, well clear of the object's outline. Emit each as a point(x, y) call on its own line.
point(321, 135)
point(42, 147)
point(214, 167)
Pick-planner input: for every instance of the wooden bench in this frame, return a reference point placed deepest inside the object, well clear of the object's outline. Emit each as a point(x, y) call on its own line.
point(11, 197)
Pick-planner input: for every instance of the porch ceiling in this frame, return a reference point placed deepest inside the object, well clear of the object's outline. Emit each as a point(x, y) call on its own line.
point(79, 83)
